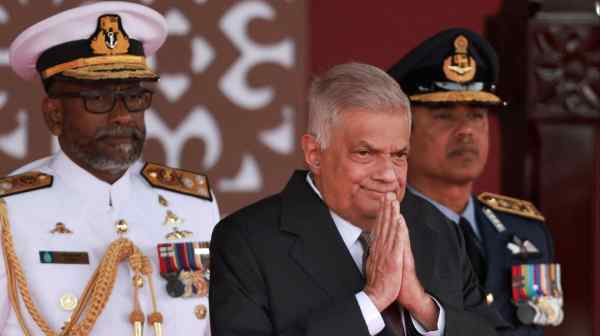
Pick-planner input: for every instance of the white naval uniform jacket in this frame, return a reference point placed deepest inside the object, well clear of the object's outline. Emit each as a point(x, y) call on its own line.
point(90, 208)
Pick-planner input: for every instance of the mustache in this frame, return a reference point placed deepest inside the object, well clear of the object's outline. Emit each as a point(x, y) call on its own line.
point(464, 149)
point(119, 131)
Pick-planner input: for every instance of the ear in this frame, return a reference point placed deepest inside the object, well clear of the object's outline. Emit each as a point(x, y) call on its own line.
point(312, 153)
point(53, 115)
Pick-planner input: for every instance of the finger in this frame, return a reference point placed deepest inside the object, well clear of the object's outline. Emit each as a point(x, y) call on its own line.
point(409, 260)
point(376, 230)
point(388, 223)
point(373, 241)
point(397, 249)
point(395, 233)
point(377, 245)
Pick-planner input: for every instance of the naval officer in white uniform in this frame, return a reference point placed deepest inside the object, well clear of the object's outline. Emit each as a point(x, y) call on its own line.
point(95, 241)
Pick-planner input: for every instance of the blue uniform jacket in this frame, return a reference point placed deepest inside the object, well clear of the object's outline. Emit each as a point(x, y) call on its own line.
point(500, 260)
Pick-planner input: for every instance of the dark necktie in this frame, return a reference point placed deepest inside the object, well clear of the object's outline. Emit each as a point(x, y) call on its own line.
point(392, 315)
point(474, 249)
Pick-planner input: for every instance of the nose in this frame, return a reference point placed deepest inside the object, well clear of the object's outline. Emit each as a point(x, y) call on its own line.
point(386, 172)
point(465, 127)
point(120, 114)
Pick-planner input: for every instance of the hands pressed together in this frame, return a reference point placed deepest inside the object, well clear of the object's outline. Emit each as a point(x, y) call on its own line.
point(390, 270)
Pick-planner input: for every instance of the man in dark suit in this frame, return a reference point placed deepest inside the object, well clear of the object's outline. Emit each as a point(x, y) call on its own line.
point(450, 80)
point(332, 254)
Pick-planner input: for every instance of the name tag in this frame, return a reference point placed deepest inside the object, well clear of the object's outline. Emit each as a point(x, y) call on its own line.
point(62, 257)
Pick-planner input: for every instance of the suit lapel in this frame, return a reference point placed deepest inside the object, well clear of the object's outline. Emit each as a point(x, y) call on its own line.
point(319, 249)
point(419, 216)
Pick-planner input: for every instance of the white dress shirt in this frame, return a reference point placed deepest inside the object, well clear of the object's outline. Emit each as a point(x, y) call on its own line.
point(370, 313)
point(90, 208)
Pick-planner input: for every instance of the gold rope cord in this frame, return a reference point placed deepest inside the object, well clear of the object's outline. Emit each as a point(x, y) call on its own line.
point(96, 293)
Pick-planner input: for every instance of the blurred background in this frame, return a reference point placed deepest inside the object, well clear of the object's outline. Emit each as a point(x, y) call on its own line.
point(231, 101)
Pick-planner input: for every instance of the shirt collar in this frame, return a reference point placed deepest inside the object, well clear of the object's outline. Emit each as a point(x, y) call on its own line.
point(468, 213)
point(349, 232)
point(89, 186)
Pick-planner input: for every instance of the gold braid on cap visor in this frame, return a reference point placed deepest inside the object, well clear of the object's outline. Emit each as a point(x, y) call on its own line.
point(456, 96)
point(89, 61)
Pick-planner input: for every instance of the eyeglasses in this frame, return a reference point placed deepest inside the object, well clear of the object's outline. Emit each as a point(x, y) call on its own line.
point(103, 101)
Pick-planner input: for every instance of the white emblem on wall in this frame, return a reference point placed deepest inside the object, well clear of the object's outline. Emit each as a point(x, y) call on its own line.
point(4, 56)
point(173, 86)
point(177, 23)
point(248, 178)
point(234, 83)
point(199, 124)
point(15, 142)
point(282, 138)
point(3, 15)
point(202, 54)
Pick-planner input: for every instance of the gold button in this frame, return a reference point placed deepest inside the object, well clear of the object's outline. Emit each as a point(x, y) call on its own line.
point(200, 312)
point(122, 226)
point(489, 298)
point(68, 302)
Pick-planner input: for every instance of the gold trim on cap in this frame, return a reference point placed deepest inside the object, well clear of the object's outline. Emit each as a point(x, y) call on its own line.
point(456, 97)
point(98, 60)
point(111, 71)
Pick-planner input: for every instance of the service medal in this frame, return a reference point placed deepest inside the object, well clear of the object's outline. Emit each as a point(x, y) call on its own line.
point(185, 267)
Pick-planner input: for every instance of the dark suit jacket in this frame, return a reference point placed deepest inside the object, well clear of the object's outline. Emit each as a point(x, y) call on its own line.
point(500, 260)
point(280, 267)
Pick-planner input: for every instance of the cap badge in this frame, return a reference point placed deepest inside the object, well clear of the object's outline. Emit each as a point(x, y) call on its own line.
point(460, 67)
point(110, 37)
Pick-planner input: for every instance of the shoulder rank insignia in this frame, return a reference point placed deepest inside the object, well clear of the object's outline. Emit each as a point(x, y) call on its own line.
point(177, 180)
point(22, 183)
point(511, 205)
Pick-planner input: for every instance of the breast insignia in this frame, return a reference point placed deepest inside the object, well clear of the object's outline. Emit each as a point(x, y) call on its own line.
point(511, 205)
point(17, 184)
point(177, 180)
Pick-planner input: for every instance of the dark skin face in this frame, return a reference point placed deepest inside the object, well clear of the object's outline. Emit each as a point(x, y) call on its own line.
point(449, 149)
point(106, 144)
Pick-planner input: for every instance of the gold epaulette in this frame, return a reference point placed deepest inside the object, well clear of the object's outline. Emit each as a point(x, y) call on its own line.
point(177, 180)
point(511, 205)
point(17, 184)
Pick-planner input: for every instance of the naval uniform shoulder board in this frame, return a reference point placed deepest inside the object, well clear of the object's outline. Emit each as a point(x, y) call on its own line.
point(22, 183)
point(177, 180)
point(511, 205)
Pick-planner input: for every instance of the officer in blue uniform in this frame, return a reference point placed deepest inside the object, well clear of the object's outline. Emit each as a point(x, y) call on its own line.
point(450, 80)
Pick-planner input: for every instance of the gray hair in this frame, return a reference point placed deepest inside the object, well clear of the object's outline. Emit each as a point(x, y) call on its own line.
point(352, 85)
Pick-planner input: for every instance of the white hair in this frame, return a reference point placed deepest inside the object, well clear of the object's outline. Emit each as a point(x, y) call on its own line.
point(352, 85)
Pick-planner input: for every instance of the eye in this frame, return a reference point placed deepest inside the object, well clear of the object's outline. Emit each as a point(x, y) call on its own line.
point(477, 114)
point(95, 96)
point(441, 115)
point(361, 155)
point(400, 156)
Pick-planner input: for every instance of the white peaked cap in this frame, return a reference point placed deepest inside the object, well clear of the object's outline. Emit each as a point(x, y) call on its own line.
point(139, 23)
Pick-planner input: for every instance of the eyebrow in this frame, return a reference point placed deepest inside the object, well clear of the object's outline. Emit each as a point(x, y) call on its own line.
point(366, 144)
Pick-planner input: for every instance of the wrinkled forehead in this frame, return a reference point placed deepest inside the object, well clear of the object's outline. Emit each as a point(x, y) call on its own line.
point(381, 129)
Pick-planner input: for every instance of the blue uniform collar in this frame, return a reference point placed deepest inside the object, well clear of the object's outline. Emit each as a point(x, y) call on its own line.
point(468, 213)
